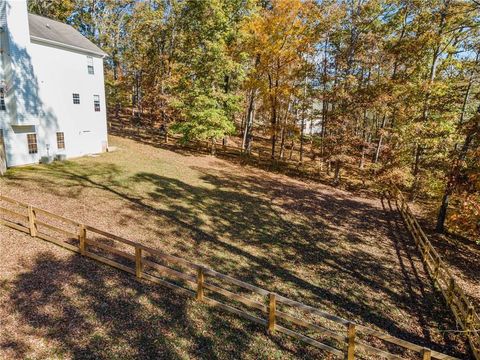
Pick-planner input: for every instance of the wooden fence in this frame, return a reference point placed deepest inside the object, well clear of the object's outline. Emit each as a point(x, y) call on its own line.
point(332, 334)
point(462, 309)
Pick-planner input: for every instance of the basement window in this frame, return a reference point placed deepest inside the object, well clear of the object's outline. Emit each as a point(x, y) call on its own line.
point(96, 102)
point(91, 69)
point(32, 143)
point(60, 141)
point(76, 98)
point(2, 99)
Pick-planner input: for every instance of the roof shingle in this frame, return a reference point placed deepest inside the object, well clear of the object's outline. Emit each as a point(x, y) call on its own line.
point(51, 30)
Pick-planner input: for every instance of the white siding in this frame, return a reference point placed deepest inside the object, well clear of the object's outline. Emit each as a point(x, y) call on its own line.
point(40, 98)
point(60, 74)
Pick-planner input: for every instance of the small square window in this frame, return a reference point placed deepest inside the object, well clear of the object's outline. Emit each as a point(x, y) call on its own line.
point(32, 143)
point(96, 102)
point(60, 140)
point(2, 99)
point(91, 69)
point(76, 99)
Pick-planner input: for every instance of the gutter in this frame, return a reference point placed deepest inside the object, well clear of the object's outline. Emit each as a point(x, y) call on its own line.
point(70, 47)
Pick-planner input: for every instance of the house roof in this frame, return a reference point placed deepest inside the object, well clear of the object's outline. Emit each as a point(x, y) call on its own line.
point(56, 33)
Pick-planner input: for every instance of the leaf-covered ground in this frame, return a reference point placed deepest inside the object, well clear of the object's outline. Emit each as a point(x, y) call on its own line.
point(461, 254)
point(325, 247)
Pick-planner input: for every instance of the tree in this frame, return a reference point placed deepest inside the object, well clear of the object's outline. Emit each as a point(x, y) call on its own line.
point(392, 84)
point(59, 10)
point(208, 71)
point(280, 38)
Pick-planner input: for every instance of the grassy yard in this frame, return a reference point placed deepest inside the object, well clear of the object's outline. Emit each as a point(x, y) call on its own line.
point(318, 245)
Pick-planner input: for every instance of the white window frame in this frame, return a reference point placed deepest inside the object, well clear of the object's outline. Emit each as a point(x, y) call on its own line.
point(96, 103)
point(31, 150)
point(60, 140)
point(76, 98)
point(3, 106)
point(90, 67)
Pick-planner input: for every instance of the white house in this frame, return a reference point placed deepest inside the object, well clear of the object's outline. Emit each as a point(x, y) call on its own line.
point(52, 94)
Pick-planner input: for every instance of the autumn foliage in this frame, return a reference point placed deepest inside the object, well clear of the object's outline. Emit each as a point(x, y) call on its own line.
point(388, 87)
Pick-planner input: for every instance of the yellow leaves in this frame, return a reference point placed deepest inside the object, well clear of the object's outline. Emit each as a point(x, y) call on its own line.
point(279, 40)
point(282, 33)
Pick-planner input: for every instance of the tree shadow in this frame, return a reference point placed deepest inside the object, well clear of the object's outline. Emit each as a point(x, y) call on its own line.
point(260, 160)
point(325, 248)
point(236, 203)
point(413, 268)
point(462, 256)
point(93, 312)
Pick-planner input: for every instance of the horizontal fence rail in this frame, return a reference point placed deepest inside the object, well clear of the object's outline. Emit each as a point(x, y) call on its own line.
point(461, 307)
point(332, 334)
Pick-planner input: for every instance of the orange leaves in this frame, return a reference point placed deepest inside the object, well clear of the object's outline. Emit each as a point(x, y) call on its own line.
point(281, 36)
point(279, 41)
point(465, 218)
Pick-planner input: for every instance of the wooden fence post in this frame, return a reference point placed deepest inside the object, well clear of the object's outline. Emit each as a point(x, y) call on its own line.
point(426, 252)
point(31, 221)
point(426, 354)
point(404, 205)
point(469, 318)
point(272, 308)
point(436, 270)
point(200, 281)
point(350, 342)
point(138, 263)
point(450, 291)
point(82, 236)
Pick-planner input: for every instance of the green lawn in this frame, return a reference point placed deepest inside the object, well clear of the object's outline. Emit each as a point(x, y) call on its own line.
point(318, 245)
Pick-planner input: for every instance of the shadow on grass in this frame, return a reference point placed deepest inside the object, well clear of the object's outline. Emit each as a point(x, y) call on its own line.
point(90, 311)
point(294, 169)
point(316, 247)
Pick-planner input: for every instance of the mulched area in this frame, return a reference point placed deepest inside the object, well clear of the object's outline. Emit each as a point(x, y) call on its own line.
point(325, 247)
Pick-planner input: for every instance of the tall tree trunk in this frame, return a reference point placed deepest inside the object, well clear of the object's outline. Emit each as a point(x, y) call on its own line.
point(454, 173)
point(247, 133)
point(364, 140)
point(302, 138)
point(273, 109)
point(284, 130)
point(324, 100)
point(336, 179)
point(274, 132)
point(416, 169)
point(442, 212)
point(465, 99)
point(282, 143)
point(380, 139)
point(115, 66)
point(302, 130)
